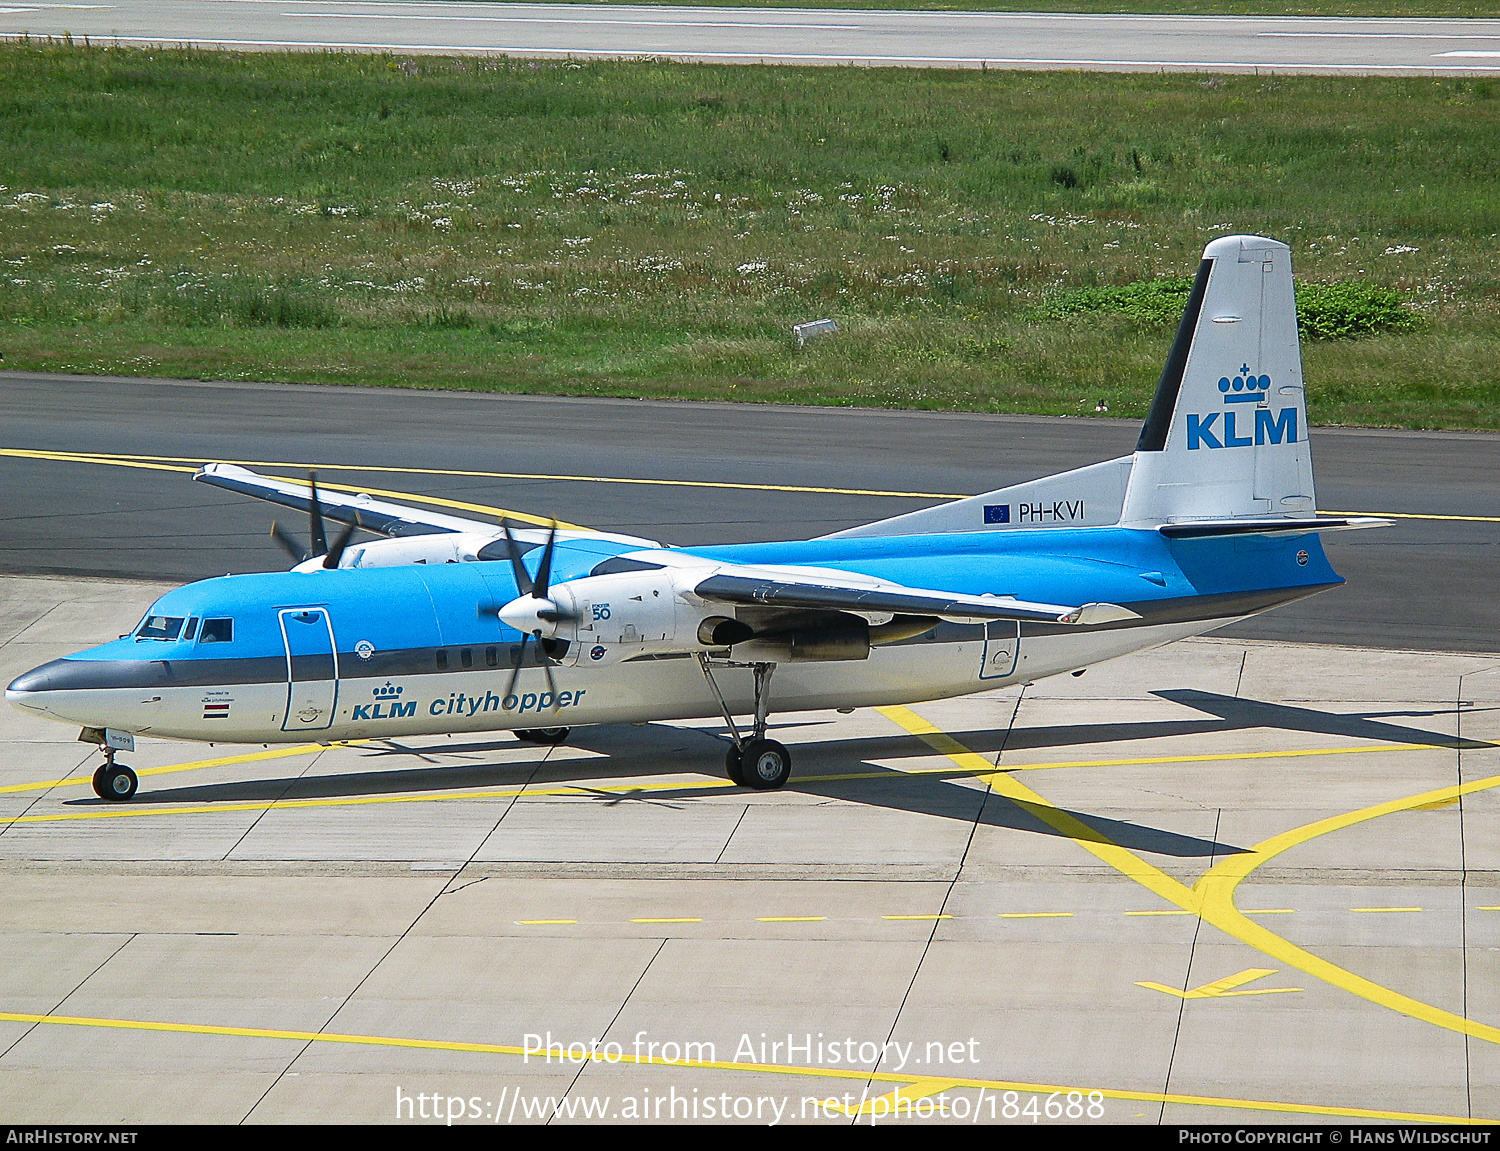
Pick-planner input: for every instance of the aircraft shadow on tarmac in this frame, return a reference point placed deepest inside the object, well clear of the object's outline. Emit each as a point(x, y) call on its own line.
point(657, 749)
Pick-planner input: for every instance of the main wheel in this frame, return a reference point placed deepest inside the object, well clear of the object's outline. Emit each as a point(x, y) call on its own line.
point(766, 764)
point(544, 734)
point(99, 781)
point(733, 766)
point(119, 782)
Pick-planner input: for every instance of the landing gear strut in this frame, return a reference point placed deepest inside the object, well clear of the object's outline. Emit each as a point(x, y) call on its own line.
point(757, 762)
point(114, 781)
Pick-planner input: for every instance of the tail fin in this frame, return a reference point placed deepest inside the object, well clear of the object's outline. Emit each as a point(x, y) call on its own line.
point(1226, 436)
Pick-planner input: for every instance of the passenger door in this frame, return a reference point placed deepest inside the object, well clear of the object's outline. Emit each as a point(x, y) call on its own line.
point(312, 668)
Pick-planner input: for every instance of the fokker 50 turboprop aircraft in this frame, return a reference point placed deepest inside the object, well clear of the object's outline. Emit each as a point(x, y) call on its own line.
point(452, 625)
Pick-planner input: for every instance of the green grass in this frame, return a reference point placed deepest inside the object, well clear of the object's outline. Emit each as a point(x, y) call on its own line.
point(654, 229)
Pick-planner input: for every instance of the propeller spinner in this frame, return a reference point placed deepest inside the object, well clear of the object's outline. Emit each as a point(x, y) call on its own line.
point(533, 613)
point(316, 533)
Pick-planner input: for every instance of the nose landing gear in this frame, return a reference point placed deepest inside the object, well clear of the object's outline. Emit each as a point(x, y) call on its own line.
point(115, 781)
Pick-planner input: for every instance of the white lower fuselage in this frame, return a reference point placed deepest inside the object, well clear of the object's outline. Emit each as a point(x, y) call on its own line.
point(354, 707)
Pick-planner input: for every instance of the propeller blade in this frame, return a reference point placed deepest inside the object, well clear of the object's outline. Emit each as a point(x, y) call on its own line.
point(336, 553)
point(515, 672)
point(315, 518)
point(523, 581)
point(544, 569)
point(289, 543)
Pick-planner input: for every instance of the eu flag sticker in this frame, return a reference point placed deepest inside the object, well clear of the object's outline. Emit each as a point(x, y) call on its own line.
point(997, 513)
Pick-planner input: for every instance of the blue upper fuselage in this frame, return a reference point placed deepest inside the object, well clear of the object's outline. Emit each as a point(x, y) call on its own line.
point(423, 607)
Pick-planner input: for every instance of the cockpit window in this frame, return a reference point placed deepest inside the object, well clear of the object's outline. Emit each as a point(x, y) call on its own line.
point(217, 631)
point(160, 627)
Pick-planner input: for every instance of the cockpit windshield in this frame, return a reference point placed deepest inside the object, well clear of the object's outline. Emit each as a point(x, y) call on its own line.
point(160, 627)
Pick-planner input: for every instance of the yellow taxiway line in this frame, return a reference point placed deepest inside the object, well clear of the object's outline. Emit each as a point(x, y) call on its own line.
point(841, 777)
point(1212, 897)
point(176, 463)
point(905, 1083)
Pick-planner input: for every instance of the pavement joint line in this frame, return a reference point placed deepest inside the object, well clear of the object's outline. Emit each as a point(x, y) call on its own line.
point(842, 777)
point(1378, 909)
point(541, 922)
point(669, 919)
point(924, 918)
point(162, 462)
point(911, 1081)
point(791, 918)
point(1212, 897)
point(1035, 915)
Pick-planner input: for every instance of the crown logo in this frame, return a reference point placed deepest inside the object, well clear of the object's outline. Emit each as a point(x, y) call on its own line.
point(1245, 387)
point(387, 692)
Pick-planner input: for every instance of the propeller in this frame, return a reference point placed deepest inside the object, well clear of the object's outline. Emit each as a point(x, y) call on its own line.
point(532, 613)
point(318, 535)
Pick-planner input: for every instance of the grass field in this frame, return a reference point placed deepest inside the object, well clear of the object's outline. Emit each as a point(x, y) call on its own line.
point(654, 229)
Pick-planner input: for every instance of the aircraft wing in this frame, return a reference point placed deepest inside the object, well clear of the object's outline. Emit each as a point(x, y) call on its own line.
point(374, 515)
point(815, 591)
point(379, 516)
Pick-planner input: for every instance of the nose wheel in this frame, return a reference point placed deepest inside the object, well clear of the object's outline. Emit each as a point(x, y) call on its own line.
point(115, 782)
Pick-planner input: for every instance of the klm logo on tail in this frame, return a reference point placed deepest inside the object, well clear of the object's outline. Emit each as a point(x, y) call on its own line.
point(1244, 388)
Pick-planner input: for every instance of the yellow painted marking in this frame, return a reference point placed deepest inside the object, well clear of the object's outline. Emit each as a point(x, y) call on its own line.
point(1158, 913)
point(791, 918)
point(679, 919)
point(164, 463)
point(1436, 806)
point(128, 461)
point(1036, 915)
point(722, 1065)
point(926, 917)
point(888, 1104)
point(1418, 516)
point(1212, 897)
point(1497, 908)
point(594, 792)
point(541, 922)
point(1223, 988)
point(196, 765)
point(1385, 909)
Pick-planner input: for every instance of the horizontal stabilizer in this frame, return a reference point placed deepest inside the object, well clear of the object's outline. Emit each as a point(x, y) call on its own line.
point(371, 514)
point(1200, 529)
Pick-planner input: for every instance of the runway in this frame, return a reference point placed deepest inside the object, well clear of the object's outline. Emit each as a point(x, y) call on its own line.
point(684, 473)
point(786, 36)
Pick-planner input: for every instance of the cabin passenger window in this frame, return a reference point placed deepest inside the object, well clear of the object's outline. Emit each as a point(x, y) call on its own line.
point(466, 657)
point(160, 627)
point(490, 658)
point(442, 661)
point(217, 631)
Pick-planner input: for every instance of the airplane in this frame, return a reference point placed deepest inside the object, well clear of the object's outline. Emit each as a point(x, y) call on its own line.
point(451, 625)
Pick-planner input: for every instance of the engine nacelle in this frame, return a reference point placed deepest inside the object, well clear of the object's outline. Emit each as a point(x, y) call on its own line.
point(809, 645)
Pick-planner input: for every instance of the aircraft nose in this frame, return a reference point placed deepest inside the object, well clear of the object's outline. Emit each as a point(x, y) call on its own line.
point(31, 689)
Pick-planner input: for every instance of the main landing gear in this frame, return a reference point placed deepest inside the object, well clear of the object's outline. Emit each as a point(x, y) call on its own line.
point(756, 762)
point(114, 781)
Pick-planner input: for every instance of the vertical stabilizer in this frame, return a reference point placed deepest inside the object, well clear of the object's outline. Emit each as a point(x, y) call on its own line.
point(1226, 436)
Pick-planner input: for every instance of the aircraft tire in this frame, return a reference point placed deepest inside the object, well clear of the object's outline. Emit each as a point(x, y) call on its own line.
point(765, 764)
point(544, 734)
point(120, 783)
point(99, 782)
point(734, 767)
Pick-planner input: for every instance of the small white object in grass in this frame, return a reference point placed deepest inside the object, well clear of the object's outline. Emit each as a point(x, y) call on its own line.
point(813, 330)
